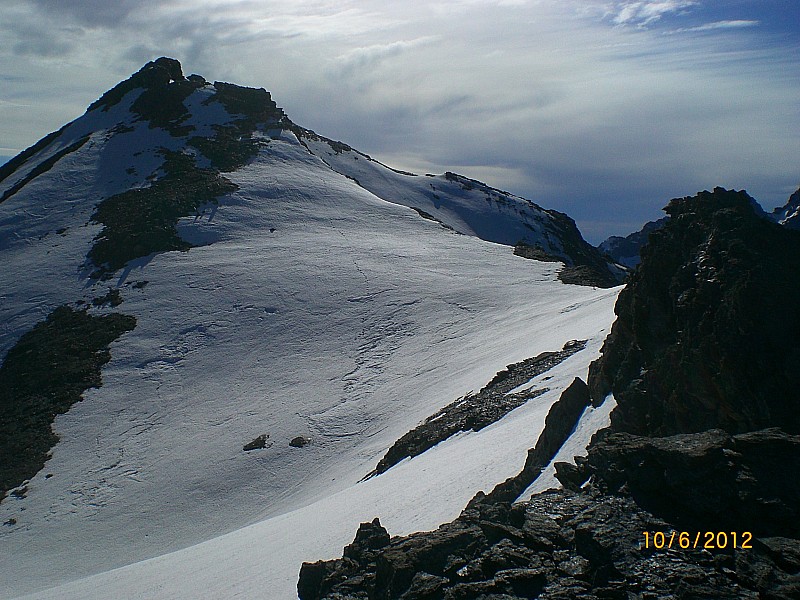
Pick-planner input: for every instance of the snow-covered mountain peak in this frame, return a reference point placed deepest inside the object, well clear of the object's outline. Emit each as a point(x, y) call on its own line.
point(187, 273)
point(789, 213)
point(157, 114)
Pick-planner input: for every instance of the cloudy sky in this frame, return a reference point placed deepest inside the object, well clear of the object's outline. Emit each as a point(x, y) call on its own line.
point(602, 109)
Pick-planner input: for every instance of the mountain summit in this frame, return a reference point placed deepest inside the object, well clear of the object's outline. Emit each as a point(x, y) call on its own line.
point(215, 324)
point(185, 133)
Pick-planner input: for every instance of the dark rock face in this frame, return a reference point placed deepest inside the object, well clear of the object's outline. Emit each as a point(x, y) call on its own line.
point(558, 425)
point(709, 480)
point(43, 375)
point(707, 335)
point(155, 74)
point(583, 264)
point(141, 221)
point(586, 266)
point(319, 578)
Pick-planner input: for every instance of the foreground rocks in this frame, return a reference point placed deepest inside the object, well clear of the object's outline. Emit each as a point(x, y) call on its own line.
point(709, 480)
point(706, 515)
point(561, 545)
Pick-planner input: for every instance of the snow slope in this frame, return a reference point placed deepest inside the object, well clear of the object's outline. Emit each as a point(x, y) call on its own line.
point(315, 308)
point(466, 205)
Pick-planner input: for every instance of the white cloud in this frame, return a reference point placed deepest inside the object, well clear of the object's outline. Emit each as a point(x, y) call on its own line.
point(366, 56)
point(716, 25)
point(642, 14)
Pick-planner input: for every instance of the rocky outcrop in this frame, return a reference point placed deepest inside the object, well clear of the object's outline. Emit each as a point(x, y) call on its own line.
point(155, 74)
point(558, 425)
point(473, 412)
point(258, 443)
point(232, 145)
point(142, 221)
point(709, 480)
point(583, 264)
point(43, 375)
point(319, 578)
point(560, 546)
point(706, 333)
point(583, 258)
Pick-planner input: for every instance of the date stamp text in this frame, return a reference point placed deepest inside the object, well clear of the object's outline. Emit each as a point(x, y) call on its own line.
point(707, 540)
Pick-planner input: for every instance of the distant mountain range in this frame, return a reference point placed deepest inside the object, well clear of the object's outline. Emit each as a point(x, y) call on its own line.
point(789, 213)
point(626, 250)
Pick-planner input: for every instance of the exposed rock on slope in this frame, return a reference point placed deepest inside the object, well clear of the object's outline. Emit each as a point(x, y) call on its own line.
point(559, 424)
point(476, 411)
point(155, 74)
point(45, 373)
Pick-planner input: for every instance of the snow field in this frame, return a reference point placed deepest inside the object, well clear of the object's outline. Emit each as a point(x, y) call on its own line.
point(319, 310)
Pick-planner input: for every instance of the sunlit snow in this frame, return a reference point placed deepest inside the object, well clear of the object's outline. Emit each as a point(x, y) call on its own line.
point(317, 309)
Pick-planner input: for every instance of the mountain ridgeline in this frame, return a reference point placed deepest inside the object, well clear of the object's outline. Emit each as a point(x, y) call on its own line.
point(205, 143)
point(627, 250)
point(702, 362)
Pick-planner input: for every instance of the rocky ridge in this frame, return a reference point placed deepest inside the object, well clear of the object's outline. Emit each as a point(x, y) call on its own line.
point(699, 449)
point(626, 250)
point(473, 412)
point(703, 338)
